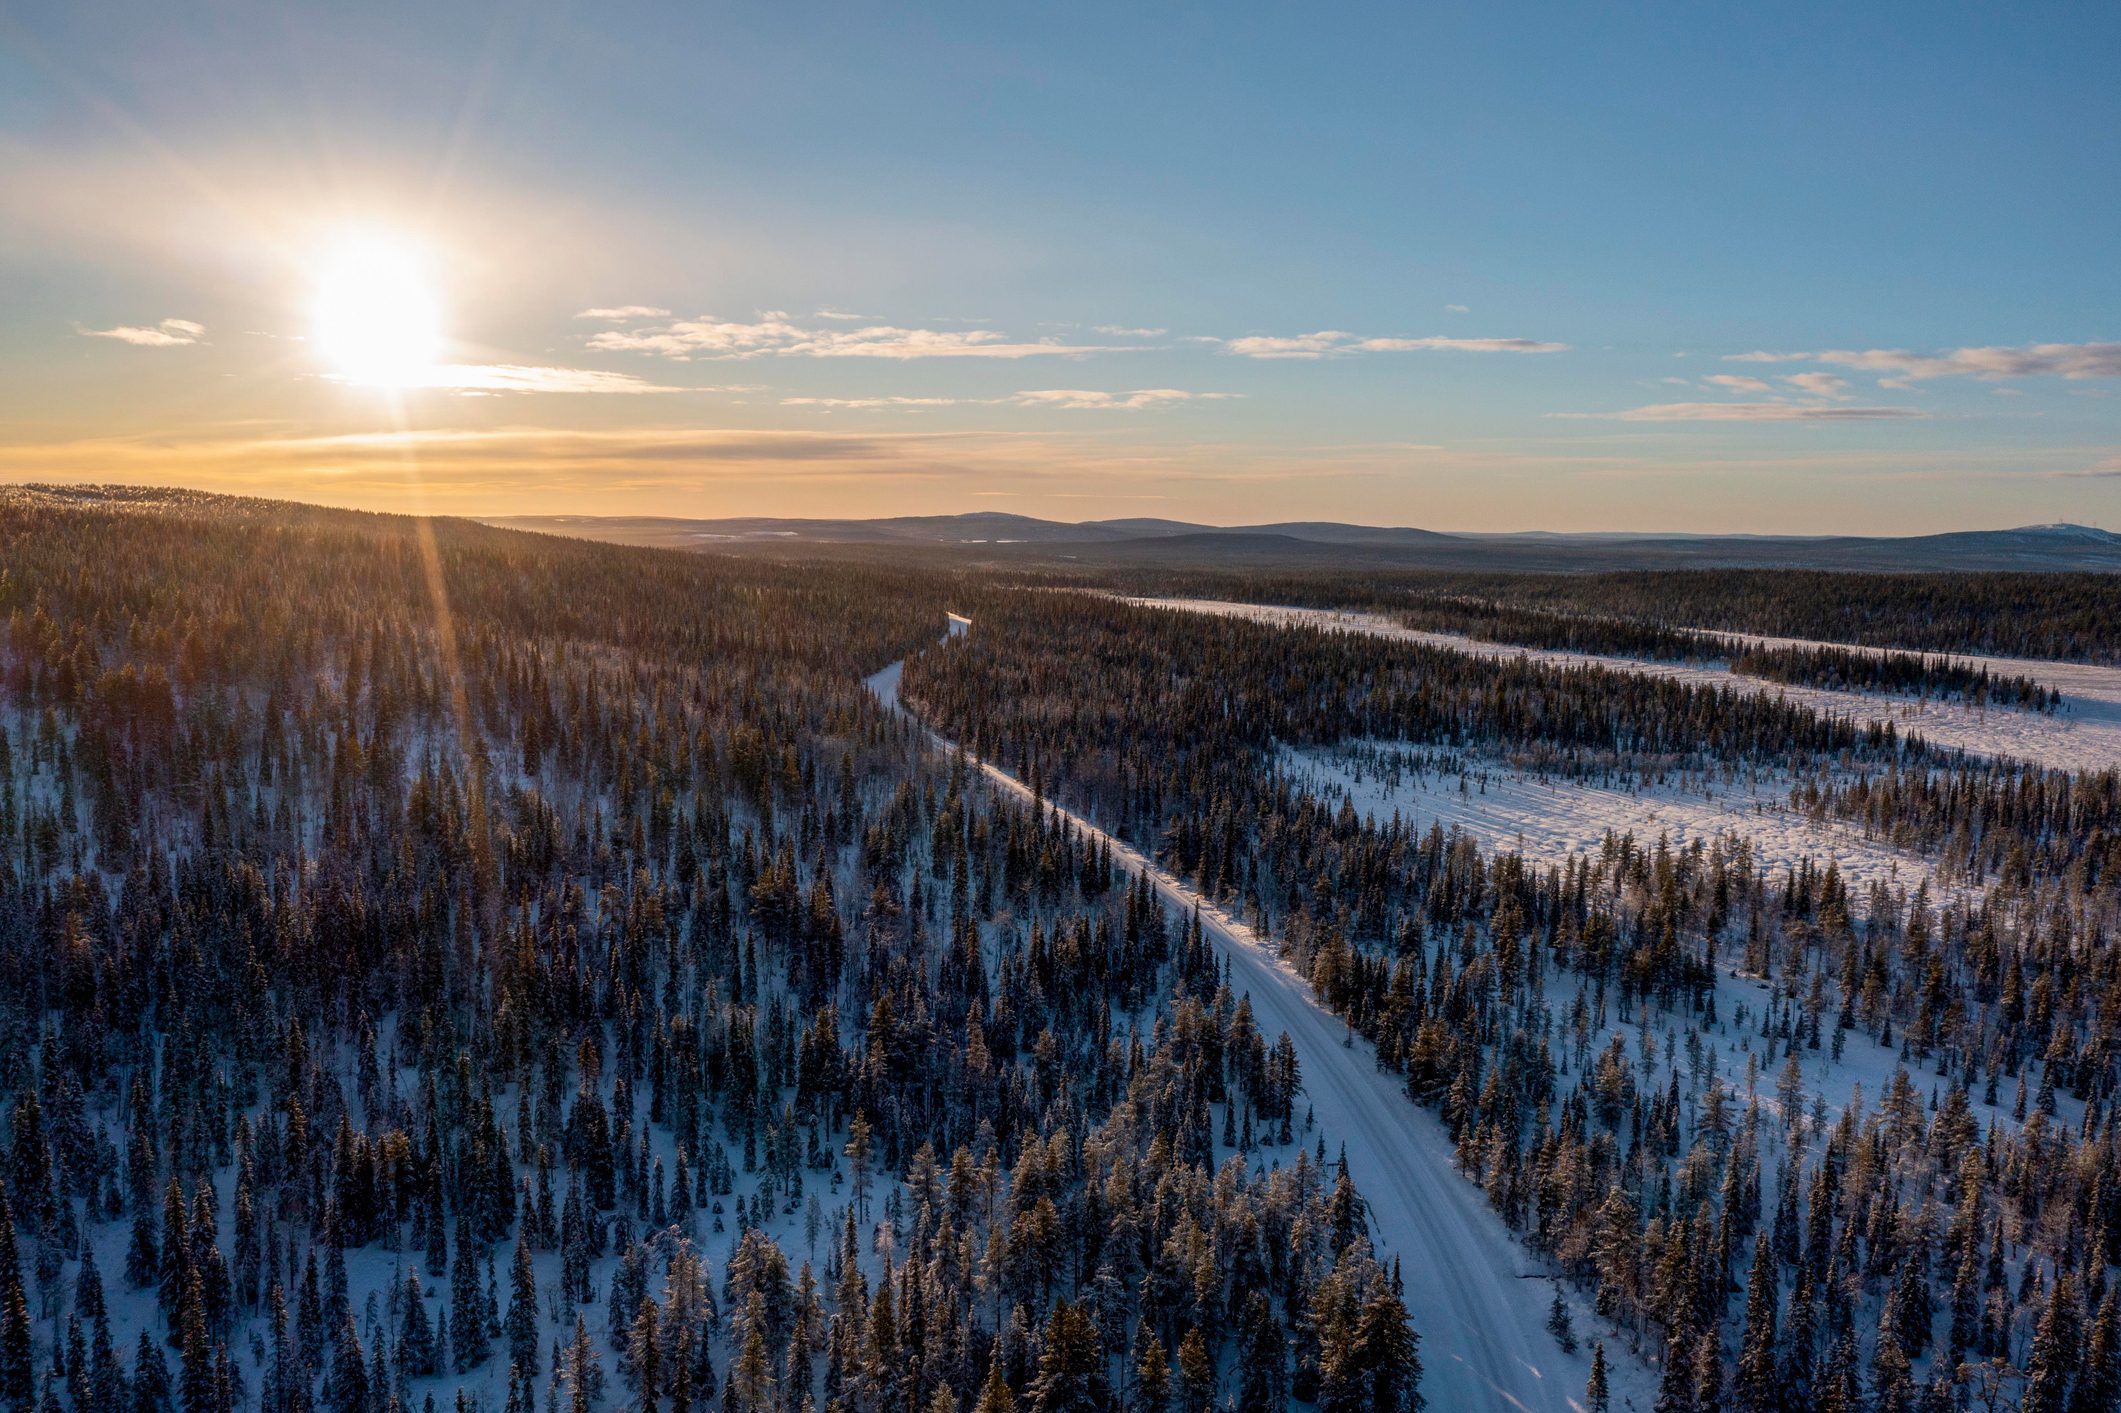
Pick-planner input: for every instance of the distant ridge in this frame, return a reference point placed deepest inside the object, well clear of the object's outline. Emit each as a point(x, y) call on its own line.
point(997, 537)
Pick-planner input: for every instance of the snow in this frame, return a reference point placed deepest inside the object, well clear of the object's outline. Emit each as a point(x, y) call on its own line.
point(2084, 735)
point(1552, 820)
point(1476, 1299)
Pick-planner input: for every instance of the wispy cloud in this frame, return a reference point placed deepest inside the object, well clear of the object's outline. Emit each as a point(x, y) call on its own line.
point(838, 314)
point(1084, 399)
point(1824, 385)
point(775, 333)
point(834, 404)
point(1733, 381)
point(2106, 470)
point(478, 379)
point(1075, 399)
point(1337, 343)
point(1748, 412)
point(624, 312)
point(170, 333)
point(2059, 360)
point(1121, 331)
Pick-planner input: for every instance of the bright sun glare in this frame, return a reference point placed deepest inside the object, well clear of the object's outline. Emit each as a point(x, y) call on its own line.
point(375, 315)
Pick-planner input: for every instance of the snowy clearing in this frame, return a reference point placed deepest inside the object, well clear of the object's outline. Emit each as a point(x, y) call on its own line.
point(1553, 820)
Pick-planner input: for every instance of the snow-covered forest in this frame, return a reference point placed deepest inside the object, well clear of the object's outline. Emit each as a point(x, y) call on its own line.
point(450, 967)
point(1812, 1138)
point(453, 968)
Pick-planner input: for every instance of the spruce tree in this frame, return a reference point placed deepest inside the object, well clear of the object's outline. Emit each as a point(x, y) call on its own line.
point(2098, 1387)
point(1560, 1324)
point(644, 1358)
point(1597, 1398)
point(994, 1394)
point(2055, 1349)
point(1196, 1373)
point(523, 1314)
point(467, 1328)
point(1070, 1365)
point(18, 1388)
point(1263, 1358)
point(1152, 1373)
point(1388, 1354)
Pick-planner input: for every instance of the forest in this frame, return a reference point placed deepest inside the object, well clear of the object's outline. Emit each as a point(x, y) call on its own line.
point(1816, 1147)
point(448, 967)
point(2069, 617)
point(453, 967)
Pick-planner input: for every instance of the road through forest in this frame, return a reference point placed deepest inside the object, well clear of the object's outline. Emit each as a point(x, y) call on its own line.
point(1477, 1301)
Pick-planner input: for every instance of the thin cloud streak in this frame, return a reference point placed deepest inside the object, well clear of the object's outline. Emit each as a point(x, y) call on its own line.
point(1337, 343)
point(776, 334)
point(2073, 361)
point(1074, 399)
point(476, 379)
point(169, 333)
point(1747, 412)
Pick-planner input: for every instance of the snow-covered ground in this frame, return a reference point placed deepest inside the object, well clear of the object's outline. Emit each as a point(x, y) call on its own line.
point(2084, 735)
point(1476, 1298)
point(1553, 820)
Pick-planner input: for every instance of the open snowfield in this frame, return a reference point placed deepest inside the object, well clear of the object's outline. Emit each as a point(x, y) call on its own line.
point(1477, 1300)
point(2084, 735)
point(1553, 820)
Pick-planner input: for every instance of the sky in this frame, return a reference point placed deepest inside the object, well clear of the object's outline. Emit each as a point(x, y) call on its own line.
point(1789, 268)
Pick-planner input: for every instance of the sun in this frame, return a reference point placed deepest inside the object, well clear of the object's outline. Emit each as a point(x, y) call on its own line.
point(376, 320)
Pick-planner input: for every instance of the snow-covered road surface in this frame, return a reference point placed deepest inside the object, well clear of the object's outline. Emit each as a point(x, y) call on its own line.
point(2084, 735)
point(1476, 1299)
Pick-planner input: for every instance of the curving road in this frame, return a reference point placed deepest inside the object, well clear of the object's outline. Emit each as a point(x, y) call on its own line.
point(1479, 1305)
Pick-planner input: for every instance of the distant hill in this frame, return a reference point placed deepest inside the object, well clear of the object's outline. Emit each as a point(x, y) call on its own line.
point(995, 537)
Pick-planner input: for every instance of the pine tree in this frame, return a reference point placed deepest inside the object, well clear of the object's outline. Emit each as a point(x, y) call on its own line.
point(1596, 1397)
point(1675, 1385)
point(2054, 1354)
point(644, 1358)
point(523, 1314)
point(416, 1336)
point(1388, 1354)
point(468, 1329)
point(1070, 1365)
point(994, 1394)
point(346, 1388)
point(18, 1387)
point(1152, 1373)
point(1754, 1390)
point(1262, 1370)
point(195, 1375)
point(143, 1254)
point(1196, 1373)
point(584, 1371)
point(751, 1385)
point(1560, 1324)
point(2098, 1387)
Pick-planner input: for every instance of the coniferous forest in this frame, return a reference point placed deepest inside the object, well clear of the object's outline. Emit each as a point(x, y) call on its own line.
point(1814, 1145)
point(451, 968)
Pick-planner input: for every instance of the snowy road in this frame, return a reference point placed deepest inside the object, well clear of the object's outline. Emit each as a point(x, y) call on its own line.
point(1477, 1301)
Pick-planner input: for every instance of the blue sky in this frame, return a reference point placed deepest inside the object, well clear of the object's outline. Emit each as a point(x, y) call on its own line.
point(1783, 267)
